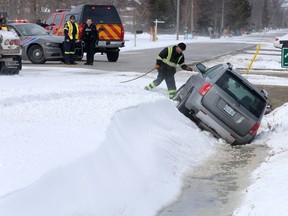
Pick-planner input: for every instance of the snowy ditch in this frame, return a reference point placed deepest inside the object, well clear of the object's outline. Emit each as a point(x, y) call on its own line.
point(215, 186)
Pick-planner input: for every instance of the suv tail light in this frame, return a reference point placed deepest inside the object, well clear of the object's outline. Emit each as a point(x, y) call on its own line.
point(254, 129)
point(205, 88)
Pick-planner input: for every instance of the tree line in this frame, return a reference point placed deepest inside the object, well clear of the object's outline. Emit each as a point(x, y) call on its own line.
point(195, 15)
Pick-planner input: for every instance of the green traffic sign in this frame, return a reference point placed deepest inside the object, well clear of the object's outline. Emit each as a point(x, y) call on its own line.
point(284, 57)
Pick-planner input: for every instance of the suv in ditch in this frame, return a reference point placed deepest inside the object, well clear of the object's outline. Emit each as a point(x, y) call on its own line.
point(223, 102)
point(106, 19)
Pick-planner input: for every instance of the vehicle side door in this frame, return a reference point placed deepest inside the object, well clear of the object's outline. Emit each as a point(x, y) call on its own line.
point(57, 28)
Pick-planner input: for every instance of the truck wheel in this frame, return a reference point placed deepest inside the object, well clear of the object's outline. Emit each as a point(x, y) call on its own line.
point(79, 52)
point(112, 56)
point(14, 72)
point(36, 55)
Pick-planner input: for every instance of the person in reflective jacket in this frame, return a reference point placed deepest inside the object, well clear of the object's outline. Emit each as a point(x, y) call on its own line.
point(166, 63)
point(90, 38)
point(71, 33)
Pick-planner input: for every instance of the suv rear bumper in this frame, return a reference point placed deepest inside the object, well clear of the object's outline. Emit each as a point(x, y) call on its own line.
point(214, 127)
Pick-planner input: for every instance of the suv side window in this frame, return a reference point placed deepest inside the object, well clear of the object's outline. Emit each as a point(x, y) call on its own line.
point(57, 19)
point(49, 20)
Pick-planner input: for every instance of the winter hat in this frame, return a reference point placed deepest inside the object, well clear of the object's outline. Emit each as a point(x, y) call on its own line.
point(182, 46)
point(72, 17)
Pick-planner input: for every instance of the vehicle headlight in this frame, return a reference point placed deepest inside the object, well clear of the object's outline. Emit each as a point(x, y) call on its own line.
point(49, 44)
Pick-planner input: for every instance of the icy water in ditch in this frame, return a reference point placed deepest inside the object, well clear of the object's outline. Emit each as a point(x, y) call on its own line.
point(216, 187)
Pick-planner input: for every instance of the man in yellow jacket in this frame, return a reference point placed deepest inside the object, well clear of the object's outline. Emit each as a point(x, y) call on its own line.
point(166, 63)
point(71, 34)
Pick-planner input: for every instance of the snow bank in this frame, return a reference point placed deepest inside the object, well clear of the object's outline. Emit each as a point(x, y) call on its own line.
point(268, 194)
point(140, 163)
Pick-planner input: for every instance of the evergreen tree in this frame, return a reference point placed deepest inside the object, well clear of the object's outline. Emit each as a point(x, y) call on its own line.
point(205, 16)
point(161, 10)
point(239, 14)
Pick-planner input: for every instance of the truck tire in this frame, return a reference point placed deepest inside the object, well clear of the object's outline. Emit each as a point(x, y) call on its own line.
point(79, 51)
point(16, 72)
point(36, 54)
point(112, 56)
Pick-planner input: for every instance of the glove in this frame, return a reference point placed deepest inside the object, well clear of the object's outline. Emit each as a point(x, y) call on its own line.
point(157, 66)
point(189, 68)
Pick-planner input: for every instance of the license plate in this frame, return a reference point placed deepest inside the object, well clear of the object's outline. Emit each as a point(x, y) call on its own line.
point(101, 43)
point(229, 110)
point(9, 52)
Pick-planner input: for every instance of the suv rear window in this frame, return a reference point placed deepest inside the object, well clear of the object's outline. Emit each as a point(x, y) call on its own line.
point(101, 14)
point(247, 97)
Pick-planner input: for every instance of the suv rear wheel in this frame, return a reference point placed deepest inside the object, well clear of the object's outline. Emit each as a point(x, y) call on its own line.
point(112, 56)
point(177, 95)
point(181, 106)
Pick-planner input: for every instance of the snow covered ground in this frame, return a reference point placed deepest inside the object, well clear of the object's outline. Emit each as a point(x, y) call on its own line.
point(78, 142)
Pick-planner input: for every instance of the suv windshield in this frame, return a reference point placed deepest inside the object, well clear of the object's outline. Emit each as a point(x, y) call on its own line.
point(101, 14)
point(247, 97)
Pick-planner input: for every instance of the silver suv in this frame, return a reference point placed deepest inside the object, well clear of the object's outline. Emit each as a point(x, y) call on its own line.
point(223, 102)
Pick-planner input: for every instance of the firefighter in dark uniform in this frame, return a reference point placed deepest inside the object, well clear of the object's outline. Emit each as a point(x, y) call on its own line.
point(71, 33)
point(90, 38)
point(166, 63)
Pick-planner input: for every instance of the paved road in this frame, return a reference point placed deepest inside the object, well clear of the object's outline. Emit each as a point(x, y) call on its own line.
point(144, 60)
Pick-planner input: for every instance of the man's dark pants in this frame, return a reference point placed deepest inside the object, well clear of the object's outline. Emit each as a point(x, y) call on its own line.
point(69, 50)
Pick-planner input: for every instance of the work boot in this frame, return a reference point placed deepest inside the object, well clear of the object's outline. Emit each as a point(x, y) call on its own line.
point(150, 86)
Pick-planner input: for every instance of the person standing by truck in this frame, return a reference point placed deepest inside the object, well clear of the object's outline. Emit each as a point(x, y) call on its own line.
point(90, 38)
point(71, 34)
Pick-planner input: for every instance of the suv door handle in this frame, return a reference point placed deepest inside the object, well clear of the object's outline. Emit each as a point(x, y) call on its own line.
point(102, 29)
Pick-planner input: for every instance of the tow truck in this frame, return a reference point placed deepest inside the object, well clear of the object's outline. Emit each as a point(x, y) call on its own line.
point(10, 49)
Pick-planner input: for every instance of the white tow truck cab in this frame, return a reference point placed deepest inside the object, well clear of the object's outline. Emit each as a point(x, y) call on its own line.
point(10, 53)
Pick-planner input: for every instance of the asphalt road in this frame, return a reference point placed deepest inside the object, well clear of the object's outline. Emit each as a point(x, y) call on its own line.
point(144, 60)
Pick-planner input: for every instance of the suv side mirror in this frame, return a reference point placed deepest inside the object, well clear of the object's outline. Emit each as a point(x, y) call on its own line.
point(201, 67)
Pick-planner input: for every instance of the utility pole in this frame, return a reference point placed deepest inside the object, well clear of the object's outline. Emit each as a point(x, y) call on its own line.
point(177, 19)
point(134, 22)
point(192, 16)
point(134, 19)
point(222, 15)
